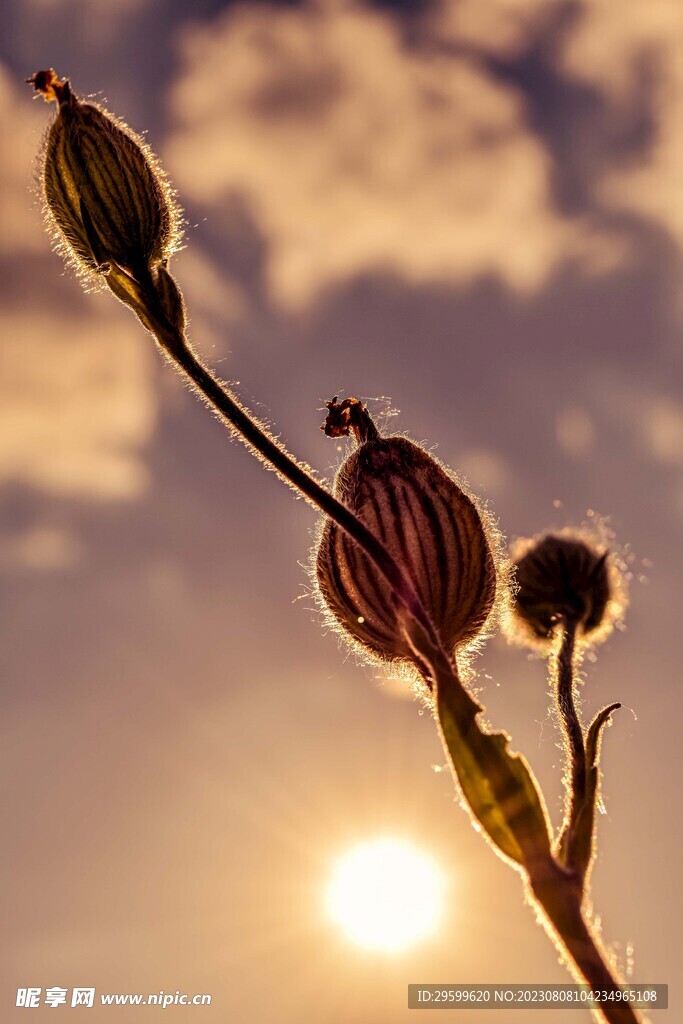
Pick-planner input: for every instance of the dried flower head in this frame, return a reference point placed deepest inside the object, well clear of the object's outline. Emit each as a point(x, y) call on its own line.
point(563, 578)
point(105, 194)
point(427, 523)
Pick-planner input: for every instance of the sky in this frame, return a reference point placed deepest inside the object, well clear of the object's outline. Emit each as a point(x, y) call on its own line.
point(468, 214)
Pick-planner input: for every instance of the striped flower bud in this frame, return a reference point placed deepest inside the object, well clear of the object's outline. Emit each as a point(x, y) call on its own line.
point(427, 523)
point(563, 579)
point(104, 192)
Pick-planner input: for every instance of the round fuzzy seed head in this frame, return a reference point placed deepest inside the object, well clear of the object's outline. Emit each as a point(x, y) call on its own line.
point(105, 194)
point(430, 527)
point(562, 579)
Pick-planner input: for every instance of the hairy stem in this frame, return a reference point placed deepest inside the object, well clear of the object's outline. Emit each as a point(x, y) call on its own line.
point(553, 888)
point(223, 402)
point(557, 897)
point(571, 724)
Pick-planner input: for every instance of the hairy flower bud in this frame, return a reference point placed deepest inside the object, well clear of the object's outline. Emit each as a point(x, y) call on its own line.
point(563, 579)
point(427, 523)
point(104, 191)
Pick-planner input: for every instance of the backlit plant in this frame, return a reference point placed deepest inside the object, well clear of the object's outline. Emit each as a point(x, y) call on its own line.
point(408, 567)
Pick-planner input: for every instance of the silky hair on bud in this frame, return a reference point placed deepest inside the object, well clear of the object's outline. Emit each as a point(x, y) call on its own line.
point(566, 576)
point(105, 197)
point(443, 540)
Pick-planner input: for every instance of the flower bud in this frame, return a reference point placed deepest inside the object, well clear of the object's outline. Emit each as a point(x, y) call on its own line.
point(427, 523)
point(562, 579)
point(104, 192)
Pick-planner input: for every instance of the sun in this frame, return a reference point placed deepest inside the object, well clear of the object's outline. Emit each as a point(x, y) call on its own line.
point(386, 895)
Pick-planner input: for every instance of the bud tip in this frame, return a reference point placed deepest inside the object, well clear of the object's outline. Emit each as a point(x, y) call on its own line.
point(50, 87)
point(349, 417)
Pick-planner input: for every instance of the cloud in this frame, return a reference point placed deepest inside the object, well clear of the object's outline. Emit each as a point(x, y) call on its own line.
point(500, 27)
point(648, 420)
point(355, 152)
point(620, 49)
point(22, 125)
point(76, 404)
point(41, 547)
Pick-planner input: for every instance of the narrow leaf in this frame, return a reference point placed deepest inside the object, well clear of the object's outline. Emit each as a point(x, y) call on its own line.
point(498, 786)
point(576, 843)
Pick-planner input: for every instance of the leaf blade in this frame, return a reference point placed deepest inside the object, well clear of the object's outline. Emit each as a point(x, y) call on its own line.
point(497, 785)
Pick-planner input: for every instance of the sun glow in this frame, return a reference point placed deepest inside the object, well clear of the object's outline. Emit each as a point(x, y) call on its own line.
point(385, 895)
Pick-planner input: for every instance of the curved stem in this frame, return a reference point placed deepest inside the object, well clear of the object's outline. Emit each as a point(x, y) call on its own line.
point(223, 402)
point(571, 724)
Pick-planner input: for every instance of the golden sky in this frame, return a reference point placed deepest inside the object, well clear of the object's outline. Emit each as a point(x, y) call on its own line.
point(469, 213)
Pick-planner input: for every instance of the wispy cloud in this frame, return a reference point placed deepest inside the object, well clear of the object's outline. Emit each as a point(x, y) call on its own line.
point(620, 49)
point(76, 404)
